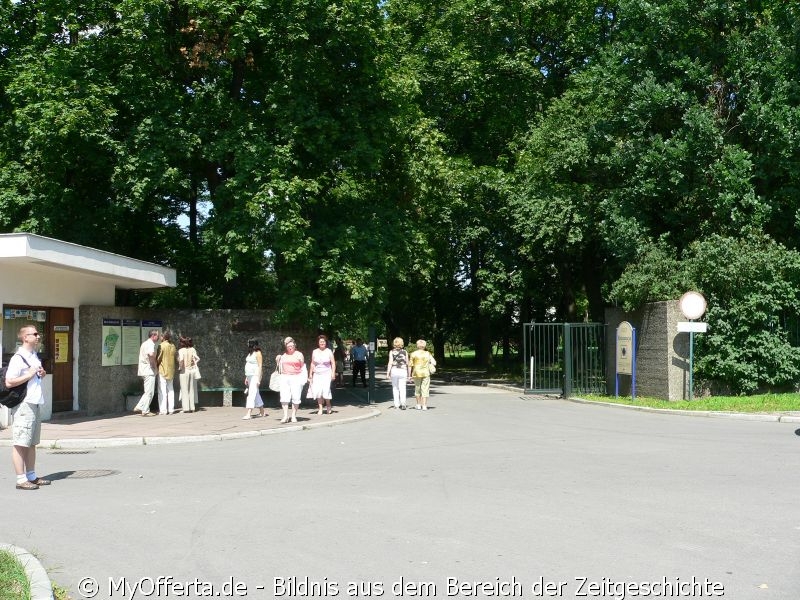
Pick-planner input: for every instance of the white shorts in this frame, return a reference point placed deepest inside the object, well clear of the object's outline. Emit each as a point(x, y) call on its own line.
point(292, 388)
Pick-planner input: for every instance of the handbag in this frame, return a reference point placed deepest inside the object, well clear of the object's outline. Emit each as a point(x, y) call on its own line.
point(432, 366)
point(275, 378)
point(197, 372)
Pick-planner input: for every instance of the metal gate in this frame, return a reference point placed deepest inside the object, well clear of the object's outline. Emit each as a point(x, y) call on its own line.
point(564, 358)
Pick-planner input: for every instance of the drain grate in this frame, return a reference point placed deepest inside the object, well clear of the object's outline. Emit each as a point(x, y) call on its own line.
point(71, 452)
point(83, 474)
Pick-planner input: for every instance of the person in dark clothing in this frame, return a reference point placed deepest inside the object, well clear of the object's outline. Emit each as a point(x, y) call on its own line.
point(358, 356)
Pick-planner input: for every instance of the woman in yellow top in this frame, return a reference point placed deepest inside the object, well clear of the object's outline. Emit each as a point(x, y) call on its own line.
point(166, 373)
point(421, 360)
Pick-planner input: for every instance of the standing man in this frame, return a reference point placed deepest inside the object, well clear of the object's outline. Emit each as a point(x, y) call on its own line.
point(147, 371)
point(358, 354)
point(26, 431)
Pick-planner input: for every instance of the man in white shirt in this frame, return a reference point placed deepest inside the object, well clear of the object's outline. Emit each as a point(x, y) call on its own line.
point(147, 371)
point(25, 366)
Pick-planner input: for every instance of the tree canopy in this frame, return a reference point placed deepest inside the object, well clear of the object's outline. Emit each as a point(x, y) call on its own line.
point(447, 170)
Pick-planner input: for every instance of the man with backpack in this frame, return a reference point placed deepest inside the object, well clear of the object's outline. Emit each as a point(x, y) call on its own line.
point(23, 367)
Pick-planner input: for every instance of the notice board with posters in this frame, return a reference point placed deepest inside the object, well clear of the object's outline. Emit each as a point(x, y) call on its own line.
point(131, 341)
point(111, 354)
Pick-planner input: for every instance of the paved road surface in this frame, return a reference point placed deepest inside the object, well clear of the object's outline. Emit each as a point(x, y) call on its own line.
point(486, 486)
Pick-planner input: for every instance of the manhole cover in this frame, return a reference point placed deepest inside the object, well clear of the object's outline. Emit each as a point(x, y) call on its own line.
point(70, 451)
point(84, 474)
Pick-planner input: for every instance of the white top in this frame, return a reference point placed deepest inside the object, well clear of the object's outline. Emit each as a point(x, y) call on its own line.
point(251, 365)
point(16, 367)
point(147, 347)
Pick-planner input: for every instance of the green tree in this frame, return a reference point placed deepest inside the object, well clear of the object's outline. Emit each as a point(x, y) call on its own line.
point(478, 73)
point(752, 285)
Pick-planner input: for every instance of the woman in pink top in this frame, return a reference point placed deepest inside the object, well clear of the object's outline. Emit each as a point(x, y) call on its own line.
point(293, 377)
point(323, 372)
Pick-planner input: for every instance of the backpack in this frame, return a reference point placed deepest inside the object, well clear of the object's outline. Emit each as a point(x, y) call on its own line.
point(12, 396)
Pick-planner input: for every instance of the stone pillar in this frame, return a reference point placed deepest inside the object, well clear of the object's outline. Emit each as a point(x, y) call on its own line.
point(662, 354)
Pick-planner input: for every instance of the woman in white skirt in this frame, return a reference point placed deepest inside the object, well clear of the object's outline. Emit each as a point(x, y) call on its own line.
point(323, 372)
point(253, 369)
point(293, 377)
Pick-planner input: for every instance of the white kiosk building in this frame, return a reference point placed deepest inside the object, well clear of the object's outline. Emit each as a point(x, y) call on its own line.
point(43, 282)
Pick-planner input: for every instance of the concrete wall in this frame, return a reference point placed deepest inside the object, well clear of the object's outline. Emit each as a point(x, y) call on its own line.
point(662, 354)
point(220, 338)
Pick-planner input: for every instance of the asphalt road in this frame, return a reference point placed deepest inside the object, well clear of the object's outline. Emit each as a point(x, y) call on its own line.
point(534, 498)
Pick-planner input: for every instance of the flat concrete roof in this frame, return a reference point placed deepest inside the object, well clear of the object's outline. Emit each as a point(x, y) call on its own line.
point(125, 273)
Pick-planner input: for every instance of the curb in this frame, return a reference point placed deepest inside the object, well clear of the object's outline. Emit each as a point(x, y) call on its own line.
point(115, 442)
point(41, 587)
point(764, 417)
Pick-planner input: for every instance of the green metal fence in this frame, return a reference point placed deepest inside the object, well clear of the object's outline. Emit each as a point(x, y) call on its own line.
point(564, 358)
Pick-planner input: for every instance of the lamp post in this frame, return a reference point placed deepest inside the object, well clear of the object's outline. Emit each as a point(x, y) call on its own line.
point(693, 306)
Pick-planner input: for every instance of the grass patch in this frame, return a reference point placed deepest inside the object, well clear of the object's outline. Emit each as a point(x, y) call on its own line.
point(13, 581)
point(60, 593)
point(761, 403)
point(14, 584)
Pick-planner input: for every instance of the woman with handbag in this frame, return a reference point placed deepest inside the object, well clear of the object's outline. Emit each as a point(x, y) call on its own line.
point(294, 375)
point(188, 374)
point(253, 369)
point(421, 363)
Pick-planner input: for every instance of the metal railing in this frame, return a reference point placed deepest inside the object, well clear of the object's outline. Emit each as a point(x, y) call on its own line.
point(564, 358)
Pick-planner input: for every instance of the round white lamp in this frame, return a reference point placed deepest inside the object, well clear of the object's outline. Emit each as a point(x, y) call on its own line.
point(693, 305)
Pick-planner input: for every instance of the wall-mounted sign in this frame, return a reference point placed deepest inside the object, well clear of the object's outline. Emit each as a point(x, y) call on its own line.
point(131, 340)
point(39, 316)
point(112, 342)
point(147, 327)
point(61, 349)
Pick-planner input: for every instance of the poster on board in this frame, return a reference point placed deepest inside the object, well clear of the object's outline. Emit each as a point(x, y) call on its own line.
point(61, 343)
point(111, 353)
point(130, 341)
point(148, 326)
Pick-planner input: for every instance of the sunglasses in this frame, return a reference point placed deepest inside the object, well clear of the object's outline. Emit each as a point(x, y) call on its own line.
point(37, 334)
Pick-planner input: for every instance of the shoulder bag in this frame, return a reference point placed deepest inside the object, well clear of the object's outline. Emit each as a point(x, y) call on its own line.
point(275, 378)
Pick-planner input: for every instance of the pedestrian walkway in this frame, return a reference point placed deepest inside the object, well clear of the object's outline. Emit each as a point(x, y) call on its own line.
point(215, 423)
point(206, 424)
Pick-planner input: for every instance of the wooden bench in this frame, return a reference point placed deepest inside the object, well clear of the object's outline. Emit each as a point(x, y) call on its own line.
point(131, 396)
point(227, 392)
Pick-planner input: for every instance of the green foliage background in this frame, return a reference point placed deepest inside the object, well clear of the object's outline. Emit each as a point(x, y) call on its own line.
point(448, 170)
